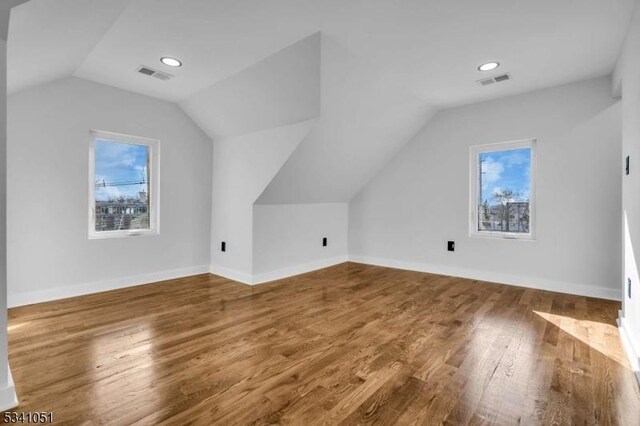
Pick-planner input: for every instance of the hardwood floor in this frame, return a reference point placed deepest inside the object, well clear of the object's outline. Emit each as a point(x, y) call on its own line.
point(348, 344)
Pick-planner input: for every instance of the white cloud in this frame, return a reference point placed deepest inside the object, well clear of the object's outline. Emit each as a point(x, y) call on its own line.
point(492, 171)
point(108, 192)
point(114, 154)
point(515, 159)
point(128, 160)
point(114, 149)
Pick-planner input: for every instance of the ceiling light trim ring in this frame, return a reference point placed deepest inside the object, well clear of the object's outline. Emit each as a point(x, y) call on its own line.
point(489, 66)
point(171, 62)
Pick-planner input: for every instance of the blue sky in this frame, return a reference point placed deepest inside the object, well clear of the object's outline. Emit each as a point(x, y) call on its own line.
point(510, 169)
point(119, 162)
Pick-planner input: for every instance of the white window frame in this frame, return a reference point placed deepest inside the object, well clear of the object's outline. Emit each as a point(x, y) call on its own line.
point(474, 159)
point(154, 184)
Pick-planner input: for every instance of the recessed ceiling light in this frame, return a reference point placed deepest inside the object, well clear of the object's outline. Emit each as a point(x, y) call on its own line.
point(172, 62)
point(489, 66)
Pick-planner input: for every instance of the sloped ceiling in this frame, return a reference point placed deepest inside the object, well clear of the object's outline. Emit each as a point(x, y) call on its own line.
point(47, 42)
point(431, 46)
point(279, 90)
point(365, 119)
point(385, 66)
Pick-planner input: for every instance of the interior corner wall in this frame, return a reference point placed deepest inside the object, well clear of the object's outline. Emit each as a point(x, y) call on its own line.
point(4, 368)
point(628, 70)
point(242, 168)
point(406, 215)
point(288, 238)
point(50, 255)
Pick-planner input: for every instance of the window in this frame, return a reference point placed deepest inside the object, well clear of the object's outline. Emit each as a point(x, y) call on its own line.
point(123, 185)
point(502, 196)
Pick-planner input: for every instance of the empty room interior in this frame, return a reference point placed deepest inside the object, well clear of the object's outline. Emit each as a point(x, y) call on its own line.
point(320, 212)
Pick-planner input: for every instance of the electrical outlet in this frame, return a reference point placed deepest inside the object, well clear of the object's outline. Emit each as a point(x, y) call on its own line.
point(626, 167)
point(324, 241)
point(223, 246)
point(451, 246)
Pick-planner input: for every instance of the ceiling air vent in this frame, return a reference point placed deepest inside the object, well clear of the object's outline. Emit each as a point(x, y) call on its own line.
point(154, 73)
point(496, 79)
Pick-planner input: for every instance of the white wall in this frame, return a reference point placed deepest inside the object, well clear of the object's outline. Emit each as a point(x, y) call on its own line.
point(627, 82)
point(7, 392)
point(242, 168)
point(288, 238)
point(405, 216)
point(266, 242)
point(50, 255)
point(8, 398)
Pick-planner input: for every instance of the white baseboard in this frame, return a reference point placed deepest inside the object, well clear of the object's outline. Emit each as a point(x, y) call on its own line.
point(496, 277)
point(8, 397)
point(63, 292)
point(631, 347)
point(264, 277)
point(232, 274)
point(297, 269)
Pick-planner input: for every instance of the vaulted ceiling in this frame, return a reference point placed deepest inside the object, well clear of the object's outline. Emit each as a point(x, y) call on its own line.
point(371, 71)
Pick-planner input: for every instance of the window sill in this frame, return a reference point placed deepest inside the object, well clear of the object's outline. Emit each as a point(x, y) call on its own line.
point(122, 234)
point(503, 236)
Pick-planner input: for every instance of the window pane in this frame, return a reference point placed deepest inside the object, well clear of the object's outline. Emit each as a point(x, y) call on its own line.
point(122, 186)
point(504, 188)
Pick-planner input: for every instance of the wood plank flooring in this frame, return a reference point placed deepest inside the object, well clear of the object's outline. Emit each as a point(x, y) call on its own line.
point(348, 344)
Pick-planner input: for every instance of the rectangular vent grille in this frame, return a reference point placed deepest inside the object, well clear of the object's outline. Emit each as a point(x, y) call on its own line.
point(496, 79)
point(154, 73)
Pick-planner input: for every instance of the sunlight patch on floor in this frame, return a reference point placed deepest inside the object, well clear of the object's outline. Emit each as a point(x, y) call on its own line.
point(597, 335)
point(16, 326)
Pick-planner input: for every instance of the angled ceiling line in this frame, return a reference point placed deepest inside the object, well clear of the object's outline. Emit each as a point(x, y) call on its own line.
point(104, 34)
